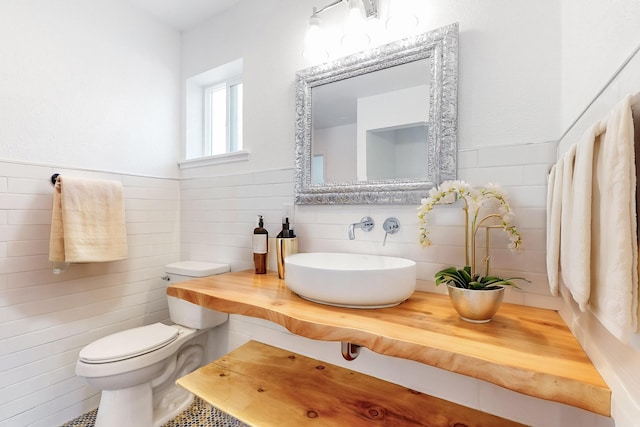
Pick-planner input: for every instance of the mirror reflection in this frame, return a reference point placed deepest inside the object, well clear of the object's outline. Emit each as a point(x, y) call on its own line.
point(373, 126)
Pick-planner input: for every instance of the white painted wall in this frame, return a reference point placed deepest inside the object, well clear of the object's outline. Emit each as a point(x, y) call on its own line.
point(597, 36)
point(89, 89)
point(511, 84)
point(89, 84)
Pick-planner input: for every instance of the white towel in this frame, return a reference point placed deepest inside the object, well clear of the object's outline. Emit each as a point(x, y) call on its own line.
point(554, 207)
point(614, 299)
point(578, 268)
point(87, 221)
point(565, 212)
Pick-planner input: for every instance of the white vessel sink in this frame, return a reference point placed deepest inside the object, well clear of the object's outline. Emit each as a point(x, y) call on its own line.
point(350, 280)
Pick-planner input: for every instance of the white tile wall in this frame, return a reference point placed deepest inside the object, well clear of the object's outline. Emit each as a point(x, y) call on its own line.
point(219, 214)
point(218, 217)
point(45, 319)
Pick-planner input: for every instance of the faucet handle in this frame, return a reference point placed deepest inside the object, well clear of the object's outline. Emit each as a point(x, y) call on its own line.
point(366, 223)
point(391, 226)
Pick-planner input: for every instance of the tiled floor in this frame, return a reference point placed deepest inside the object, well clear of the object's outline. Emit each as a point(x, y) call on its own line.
point(199, 414)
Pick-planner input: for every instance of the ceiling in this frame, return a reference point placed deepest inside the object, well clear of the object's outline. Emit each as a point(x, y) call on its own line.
point(183, 14)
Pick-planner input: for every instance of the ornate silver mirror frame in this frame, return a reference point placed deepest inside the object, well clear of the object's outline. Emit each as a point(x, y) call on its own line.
point(441, 47)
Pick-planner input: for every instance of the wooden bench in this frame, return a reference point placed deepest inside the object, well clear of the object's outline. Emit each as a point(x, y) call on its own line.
point(264, 386)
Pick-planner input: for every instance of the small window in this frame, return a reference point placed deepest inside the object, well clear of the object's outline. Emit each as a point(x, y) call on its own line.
point(214, 104)
point(223, 118)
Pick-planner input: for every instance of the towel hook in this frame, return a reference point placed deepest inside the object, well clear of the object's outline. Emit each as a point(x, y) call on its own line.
point(54, 178)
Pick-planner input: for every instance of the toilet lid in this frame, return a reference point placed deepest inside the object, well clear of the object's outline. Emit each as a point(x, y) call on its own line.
point(129, 343)
point(196, 268)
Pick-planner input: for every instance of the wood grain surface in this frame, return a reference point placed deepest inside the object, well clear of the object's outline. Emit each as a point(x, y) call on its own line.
point(265, 386)
point(525, 349)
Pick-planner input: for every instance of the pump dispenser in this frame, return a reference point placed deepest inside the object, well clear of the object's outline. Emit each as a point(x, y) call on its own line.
point(285, 232)
point(286, 244)
point(260, 239)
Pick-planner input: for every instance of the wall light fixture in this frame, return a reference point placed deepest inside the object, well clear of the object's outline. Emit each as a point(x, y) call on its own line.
point(361, 27)
point(354, 36)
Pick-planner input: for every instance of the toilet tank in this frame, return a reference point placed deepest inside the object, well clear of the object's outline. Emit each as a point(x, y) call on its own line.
point(184, 312)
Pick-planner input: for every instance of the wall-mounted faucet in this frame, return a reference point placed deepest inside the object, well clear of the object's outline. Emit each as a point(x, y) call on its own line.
point(366, 224)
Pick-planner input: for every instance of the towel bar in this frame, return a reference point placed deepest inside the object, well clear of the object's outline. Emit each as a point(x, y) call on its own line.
point(54, 178)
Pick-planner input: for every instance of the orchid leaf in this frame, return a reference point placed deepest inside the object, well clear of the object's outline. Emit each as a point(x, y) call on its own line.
point(462, 278)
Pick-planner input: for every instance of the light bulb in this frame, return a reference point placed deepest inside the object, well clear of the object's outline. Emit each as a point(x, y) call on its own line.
point(355, 37)
point(355, 15)
point(314, 49)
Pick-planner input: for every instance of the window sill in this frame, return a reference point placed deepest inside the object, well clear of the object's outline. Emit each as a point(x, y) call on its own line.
point(238, 156)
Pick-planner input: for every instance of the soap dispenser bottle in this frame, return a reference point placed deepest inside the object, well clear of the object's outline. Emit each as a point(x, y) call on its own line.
point(260, 240)
point(286, 244)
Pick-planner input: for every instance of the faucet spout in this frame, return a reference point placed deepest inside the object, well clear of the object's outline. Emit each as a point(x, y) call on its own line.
point(365, 224)
point(352, 231)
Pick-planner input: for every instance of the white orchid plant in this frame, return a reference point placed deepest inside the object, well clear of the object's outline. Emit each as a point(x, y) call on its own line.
point(476, 200)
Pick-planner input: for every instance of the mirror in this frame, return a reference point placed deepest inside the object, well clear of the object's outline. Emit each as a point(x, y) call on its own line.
point(379, 126)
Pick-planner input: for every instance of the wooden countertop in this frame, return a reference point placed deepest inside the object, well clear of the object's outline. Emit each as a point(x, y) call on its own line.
point(524, 349)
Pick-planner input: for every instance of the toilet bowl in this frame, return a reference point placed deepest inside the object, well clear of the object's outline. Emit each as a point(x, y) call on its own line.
point(136, 369)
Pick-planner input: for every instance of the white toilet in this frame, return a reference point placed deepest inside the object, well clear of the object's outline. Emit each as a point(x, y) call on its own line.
point(136, 369)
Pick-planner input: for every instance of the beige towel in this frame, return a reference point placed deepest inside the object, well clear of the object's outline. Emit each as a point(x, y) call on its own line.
point(614, 246)
point(87, 222)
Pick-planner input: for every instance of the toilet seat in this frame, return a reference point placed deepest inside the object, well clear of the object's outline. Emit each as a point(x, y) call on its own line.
point(128, 344)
